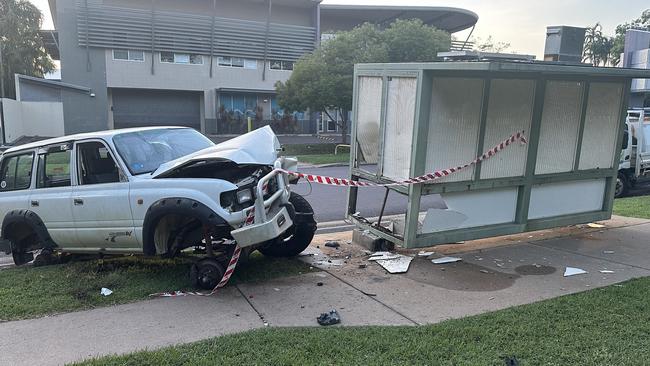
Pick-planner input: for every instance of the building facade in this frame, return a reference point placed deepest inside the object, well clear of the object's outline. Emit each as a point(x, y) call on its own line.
point(637, 55)
point(206, 64)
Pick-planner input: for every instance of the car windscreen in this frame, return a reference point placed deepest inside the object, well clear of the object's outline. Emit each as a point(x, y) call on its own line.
point(144, 151)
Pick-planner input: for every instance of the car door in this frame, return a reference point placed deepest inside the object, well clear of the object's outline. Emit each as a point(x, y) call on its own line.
point(101, 207)
point(51, 198)
point(15, 182)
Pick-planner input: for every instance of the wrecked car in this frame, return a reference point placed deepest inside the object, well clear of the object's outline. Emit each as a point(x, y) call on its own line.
point(152, 191)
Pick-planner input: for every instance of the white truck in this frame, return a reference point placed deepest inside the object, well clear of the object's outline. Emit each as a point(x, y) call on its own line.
point(152, 191)
point(634, 164)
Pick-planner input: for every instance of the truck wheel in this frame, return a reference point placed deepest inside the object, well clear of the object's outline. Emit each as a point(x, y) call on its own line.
point(301, 235)
point(206, 273)
point(622, 186)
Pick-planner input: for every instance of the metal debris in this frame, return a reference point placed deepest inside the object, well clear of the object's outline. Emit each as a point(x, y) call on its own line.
point(396, 265)
point(606, 271)
point(608, 252)
point(570, 271)
point(330, 318)
point(425, 254)
point(383, 256)
point(445, 260)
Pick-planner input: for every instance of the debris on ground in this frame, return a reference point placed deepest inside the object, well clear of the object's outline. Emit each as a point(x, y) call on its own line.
point(595, 226)
point(330, 318)
point(425, 254)
point(105, 291)
point(319, 284)
point(363, 266)
point(396, 265)
point(606, 271)
point(383, 256)
point(392, 262)
point(445, 260)
point(332, 244)
point(570, 271)
point(608, 252)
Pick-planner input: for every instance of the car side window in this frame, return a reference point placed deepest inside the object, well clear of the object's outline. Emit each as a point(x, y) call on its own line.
point(54, 169)
point(96, 165)
point(16, 172)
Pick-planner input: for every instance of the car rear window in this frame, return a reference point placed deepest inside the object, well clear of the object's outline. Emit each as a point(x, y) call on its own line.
point(16, 172)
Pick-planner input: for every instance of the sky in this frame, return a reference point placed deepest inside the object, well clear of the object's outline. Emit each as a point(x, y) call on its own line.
point(518, 22)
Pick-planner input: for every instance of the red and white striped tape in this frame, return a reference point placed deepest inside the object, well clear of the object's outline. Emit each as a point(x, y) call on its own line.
point(331, 181)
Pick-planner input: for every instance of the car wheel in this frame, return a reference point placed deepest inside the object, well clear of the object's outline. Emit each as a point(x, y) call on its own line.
point(301, 235)
point(20, 256)
point(206, 273)
point(622, 186)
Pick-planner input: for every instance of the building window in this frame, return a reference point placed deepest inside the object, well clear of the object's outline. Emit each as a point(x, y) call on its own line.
point(281, 65)
point(181, 58)
point(128, 55)
point(237, 62)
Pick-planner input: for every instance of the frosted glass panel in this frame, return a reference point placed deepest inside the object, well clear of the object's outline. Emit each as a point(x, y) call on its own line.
point(453, 130)
point(510, 110)
point(559, 129)
point(601, 126)
point(479, 206)
point(400, 115)
point(565, 198)
point(368, 116)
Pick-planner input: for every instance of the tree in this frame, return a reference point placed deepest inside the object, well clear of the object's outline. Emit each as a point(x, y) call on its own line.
point(618, 43)
point(490, 45)
point(22, 46)
point(597, 47)
point(323, 80)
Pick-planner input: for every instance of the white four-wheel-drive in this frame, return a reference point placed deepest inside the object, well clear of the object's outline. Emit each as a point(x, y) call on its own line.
point(152, 191)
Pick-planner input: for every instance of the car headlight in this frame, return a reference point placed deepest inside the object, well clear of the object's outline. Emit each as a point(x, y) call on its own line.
point(245, 195)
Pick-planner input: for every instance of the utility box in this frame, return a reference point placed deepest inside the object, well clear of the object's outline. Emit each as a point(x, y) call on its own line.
point(413, 119)
point(564, 43)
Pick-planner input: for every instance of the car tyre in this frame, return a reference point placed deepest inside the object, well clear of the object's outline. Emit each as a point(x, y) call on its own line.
point(622, 186)
point(301, 236)
point(206, 274)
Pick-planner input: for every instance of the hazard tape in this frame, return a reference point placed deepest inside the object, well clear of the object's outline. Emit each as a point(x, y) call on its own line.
point(331, 181)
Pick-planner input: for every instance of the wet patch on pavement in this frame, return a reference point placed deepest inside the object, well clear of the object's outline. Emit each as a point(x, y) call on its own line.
point(535, 270)
point(461, 276)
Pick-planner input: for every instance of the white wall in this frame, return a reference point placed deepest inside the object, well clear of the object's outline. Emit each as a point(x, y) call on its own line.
point(43, 119)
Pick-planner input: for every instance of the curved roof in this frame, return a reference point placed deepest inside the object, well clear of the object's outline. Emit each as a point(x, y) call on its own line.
point(345, 17)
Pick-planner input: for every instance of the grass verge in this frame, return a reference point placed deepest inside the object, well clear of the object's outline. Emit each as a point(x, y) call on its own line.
point(633, 207)
point(28, 292)
point(607, 326)
point(324, 159)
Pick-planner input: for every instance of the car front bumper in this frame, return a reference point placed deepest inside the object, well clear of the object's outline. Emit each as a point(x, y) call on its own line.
point(271, 216)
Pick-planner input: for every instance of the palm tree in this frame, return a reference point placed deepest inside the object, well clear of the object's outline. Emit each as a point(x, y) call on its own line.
point(597, 47)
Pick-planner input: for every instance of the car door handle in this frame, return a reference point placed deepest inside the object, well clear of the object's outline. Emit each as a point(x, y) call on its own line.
point(34, 203)
point(78, 202)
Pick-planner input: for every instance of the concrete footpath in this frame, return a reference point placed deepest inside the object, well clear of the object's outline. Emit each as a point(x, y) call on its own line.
point(491, 276)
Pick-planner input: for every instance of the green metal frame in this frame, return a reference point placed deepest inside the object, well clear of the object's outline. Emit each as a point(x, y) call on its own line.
point(540, 73)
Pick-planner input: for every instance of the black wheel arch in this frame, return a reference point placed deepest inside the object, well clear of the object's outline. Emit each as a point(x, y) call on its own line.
point(29, 219)
point(175, 206)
